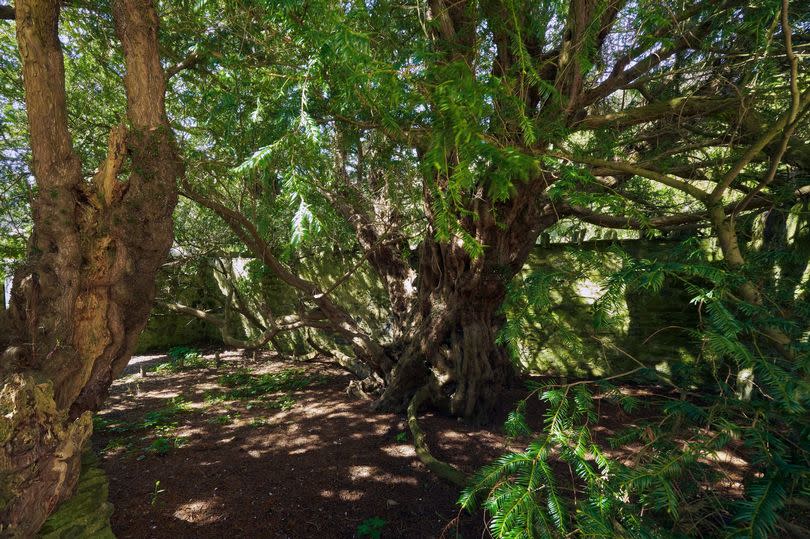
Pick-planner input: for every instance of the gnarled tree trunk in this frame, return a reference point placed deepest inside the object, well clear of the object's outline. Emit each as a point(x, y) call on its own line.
point(452, 343)
point(86, 289)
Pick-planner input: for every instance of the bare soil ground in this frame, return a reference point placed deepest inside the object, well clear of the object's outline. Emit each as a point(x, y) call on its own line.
point(276, 448)
point(187, 459)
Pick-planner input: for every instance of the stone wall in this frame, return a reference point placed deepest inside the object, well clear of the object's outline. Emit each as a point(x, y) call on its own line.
point(566, 344)
point(648, 328)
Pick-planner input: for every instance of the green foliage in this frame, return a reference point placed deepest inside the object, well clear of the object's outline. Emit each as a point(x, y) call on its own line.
point(569, 481)
point(160, 446)
point(162, 418)
point(182, 359)
point(115, 443)
point(371, 528)
point(245, 385)
point(213, 399)
point(282, 403)
point(179, 354)
point(223, 419)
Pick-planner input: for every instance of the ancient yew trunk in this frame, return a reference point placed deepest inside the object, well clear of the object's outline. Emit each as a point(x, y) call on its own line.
point(83, 296)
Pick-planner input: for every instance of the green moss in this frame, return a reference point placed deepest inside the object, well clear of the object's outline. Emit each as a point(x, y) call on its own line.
point(87, 513)
point(567, 343)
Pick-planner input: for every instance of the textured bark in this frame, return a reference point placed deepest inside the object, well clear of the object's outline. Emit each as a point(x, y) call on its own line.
point(84, 294)
point(452, 344)
point(749, 291)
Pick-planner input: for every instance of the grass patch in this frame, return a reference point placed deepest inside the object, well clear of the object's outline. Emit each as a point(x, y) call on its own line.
point(223, 419)
point(371, 528)
point(284, 403)
point(160, 446)
point(163, 445)
point(102, 424)
point(244, 385)
point(162, 417)
point(258, 422)
point(181, 359)
point(160, 420)
point(116, 443)
point(214, 399)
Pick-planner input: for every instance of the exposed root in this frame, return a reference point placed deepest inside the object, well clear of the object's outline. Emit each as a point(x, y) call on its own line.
point(368, 388)
point(348, 363)
point(446, 471)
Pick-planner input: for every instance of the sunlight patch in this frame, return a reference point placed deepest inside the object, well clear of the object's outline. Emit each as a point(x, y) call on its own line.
point(350, 495)
point(197, 512)
point(362, 472)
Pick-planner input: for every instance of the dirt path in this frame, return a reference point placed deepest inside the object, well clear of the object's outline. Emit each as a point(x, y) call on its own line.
point(285, 455)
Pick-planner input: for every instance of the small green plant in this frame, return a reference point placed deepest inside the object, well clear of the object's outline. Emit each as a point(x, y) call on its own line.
point(114, 444)
point(182, 358)
point(162, 421)
point(179, 441)
point(258, 422)
point(213, 399)
point(102, 424)
point(402, 437)
point(371, 527)
point(284, 403)
point(155, 493)
point(224, 419)
point(160, 446)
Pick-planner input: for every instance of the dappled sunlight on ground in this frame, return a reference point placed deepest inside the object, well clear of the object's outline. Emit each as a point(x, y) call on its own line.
point(195, 454)
point(305, 462)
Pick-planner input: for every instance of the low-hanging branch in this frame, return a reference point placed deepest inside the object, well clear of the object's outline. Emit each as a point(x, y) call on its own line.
point(339, 319)
point(285, 323)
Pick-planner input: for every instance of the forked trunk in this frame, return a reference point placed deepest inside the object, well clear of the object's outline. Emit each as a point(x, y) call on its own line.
point(85, 292)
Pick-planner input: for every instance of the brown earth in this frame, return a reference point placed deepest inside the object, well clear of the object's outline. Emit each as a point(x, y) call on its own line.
point(303, 461)
point(316, 470)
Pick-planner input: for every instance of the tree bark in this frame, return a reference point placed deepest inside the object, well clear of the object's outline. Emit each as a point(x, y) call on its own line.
point(85, 292)
point(452, 344)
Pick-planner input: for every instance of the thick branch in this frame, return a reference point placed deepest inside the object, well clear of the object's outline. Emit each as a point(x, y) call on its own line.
point(55, 163)
point(630, 168)
point(136, 23)
point(671, 110)
point(668, 222)
point(188, 62)
point(782, 124)
point(287, 323)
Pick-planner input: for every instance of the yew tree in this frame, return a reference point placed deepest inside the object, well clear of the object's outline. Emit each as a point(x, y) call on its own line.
point(440, 140)
point(85, 290)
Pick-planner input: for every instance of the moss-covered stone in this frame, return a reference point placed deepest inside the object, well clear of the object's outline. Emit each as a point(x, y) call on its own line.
point(649, 328)
point(166, 329)
point(563, 344)
point(87, 513)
